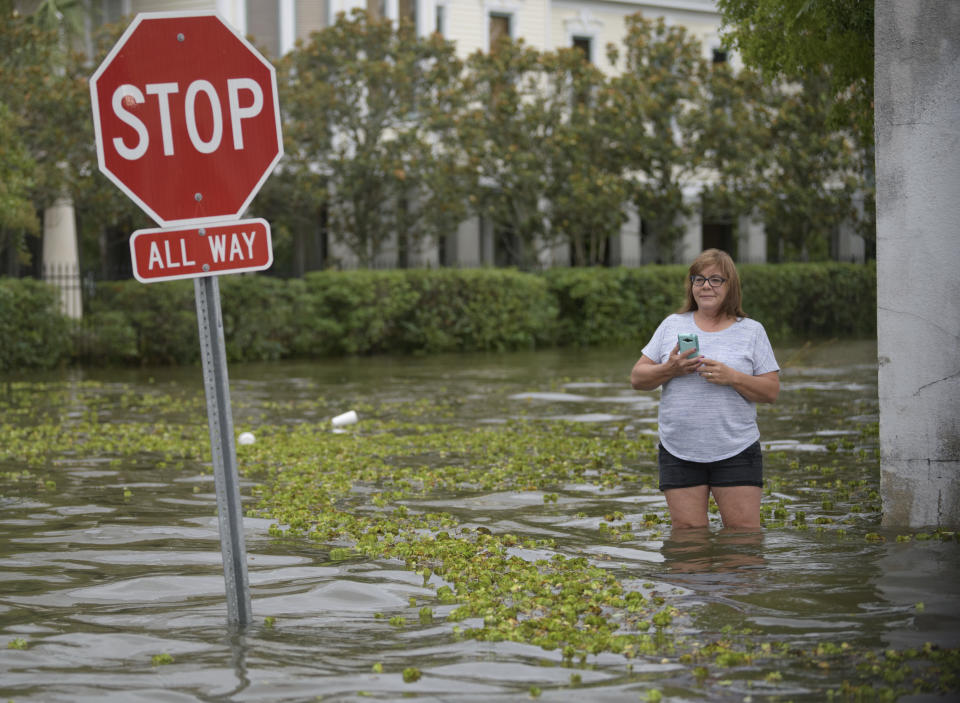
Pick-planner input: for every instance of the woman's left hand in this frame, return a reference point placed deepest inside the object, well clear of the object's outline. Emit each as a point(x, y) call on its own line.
point(757, 389)
point(716, 372)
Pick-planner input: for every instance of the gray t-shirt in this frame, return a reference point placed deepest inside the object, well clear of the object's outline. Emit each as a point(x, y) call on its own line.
point(700, 421)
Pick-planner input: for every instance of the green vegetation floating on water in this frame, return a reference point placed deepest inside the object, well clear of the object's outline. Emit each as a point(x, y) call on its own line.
point(361, 494)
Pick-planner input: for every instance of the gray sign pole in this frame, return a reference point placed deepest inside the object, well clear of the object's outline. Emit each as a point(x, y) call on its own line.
point(224, 451)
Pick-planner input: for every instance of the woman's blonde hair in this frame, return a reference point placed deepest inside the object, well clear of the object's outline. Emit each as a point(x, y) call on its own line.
point(732, 301)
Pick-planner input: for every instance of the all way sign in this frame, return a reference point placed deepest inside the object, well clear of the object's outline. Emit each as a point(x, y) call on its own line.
point(168, 254)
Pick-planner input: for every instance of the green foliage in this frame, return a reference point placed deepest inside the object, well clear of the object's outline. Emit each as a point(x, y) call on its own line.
point(107, 336)
point(502, 131)
point(16, 165)
point(809, 184)
point(335, 313)
point(365, 312)
point(33, 333)
point(260, 319)
point(604, 306)
point(365, 101)
point(652, 122)
point(812, 300)
point(585, 193)
point(161, 318)
point(598, 306)
point(45, 94)
point(391, 141)
point(734, 140)
point(791, 38)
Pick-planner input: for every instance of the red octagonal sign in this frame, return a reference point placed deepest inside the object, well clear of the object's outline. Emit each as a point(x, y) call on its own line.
point(187, 118)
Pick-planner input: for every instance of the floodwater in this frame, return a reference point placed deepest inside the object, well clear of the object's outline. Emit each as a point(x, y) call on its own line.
point(120, 563)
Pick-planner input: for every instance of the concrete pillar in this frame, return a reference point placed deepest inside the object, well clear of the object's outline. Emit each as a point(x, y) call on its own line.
point(426, 254)
point(340, 256)
point(553, 255)
point(234, 12)
point(691, 243)
point(61, 262)
point(487, 252)
point(917, 98)
point(752, 240)
point(625, 246)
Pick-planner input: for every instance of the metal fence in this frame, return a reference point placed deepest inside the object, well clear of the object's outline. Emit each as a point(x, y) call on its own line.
point(67, 278)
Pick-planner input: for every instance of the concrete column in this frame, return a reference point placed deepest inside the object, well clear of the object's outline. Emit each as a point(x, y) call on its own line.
point(426, 254)
point(917, 99)
point(552, 255)
point(339, 255)
point(626, 244)
point(234, 12)
point(61, 262)
point(288, 26)
point(752, 240)
point(691, 243)
point(487, 253)
point(465, 248)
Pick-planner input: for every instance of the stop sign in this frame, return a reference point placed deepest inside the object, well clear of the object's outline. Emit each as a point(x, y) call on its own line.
point(186, 117)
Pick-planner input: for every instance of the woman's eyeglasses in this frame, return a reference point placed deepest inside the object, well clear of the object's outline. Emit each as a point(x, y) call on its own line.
point(714, 281)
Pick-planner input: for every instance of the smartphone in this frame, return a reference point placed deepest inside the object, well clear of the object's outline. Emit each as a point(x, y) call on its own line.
point(688, 342)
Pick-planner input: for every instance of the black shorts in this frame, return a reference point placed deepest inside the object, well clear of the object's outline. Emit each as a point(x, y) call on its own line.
point(743, 469)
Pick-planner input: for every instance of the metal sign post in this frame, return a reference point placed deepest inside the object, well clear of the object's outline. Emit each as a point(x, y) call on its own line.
point(224, 451)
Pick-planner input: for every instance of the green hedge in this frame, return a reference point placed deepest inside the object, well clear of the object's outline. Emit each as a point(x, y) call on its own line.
point(333, 313)
point(33, 333)
point(818, 300)
point(812, 300)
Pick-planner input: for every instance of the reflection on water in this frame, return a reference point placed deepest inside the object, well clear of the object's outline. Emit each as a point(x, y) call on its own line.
point(704, 551)
point(120, 562)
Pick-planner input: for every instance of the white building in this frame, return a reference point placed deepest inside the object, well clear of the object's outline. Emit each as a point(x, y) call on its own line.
point(473, 25)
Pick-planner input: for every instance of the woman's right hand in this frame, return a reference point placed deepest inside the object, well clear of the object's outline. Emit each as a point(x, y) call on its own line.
point(648, 375)
point(683, 364)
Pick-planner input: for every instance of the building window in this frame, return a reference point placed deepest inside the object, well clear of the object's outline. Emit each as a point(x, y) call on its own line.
point(407, 9)
point(719, 56)
point(440, 20)
point(499, 28)
point(584, 44)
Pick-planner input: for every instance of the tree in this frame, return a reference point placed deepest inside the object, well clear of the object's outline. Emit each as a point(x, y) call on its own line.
point(813, 174)
point(363, 102)
point(585, 192)
point(16, 167)
point(790, 38)
point(651, 121)
point(106, 217)
point(43, 85)
point(501, 131)
point(26, 52)
point(734, 140)
point(542, 175)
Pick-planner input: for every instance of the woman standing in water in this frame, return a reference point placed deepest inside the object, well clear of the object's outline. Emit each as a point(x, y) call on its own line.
point(709, 440)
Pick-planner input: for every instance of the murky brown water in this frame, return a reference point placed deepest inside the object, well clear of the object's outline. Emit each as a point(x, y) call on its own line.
point(121, 562)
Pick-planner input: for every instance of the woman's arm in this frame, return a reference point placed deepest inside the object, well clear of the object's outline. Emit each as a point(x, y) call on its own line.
point(648, 375)
point(757, 389)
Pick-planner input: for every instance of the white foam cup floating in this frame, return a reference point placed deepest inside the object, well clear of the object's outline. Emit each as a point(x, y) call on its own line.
point(347, 418)
point(246, 438)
